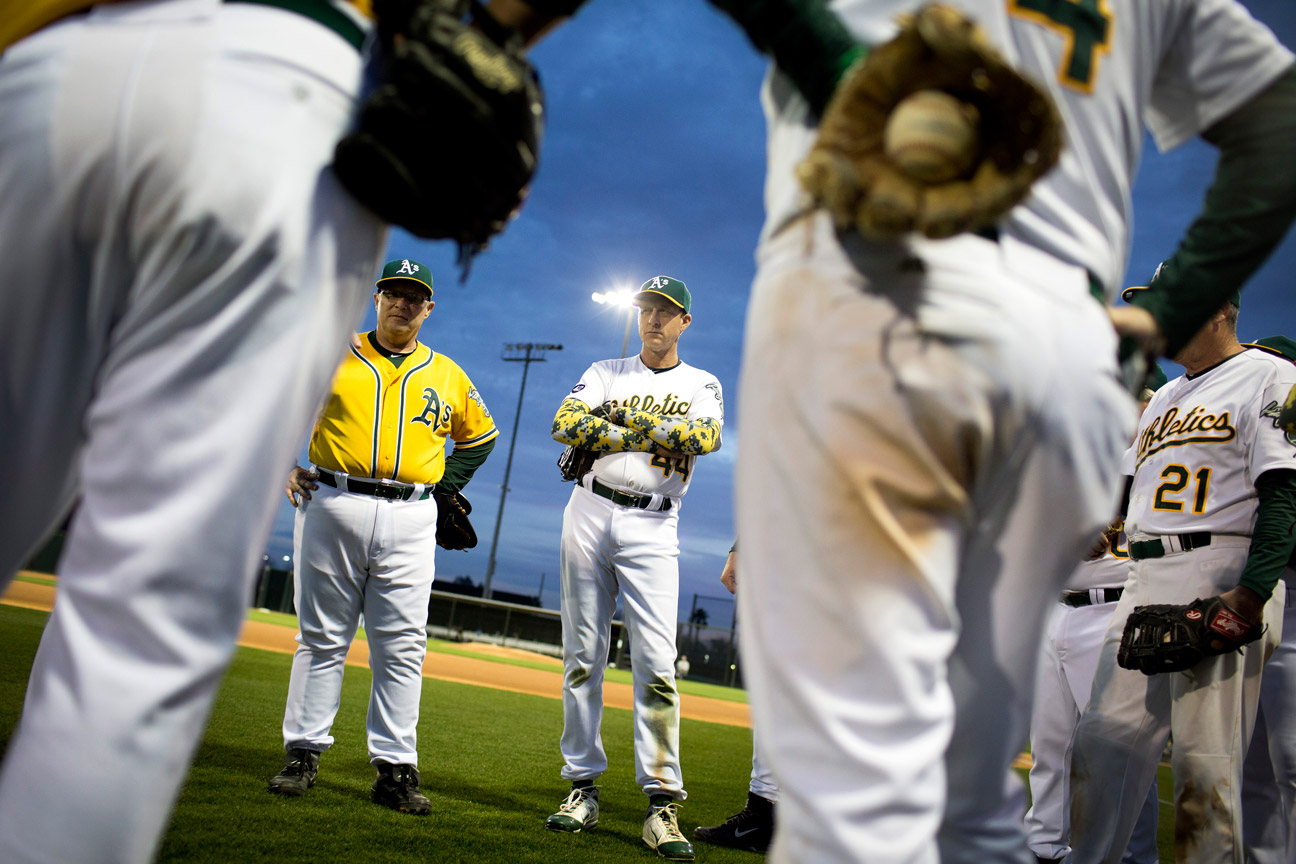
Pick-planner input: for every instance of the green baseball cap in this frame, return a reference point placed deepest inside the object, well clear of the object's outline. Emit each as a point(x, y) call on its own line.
point(672, 289)
point(1128, 294)
point(407, 269)
point(1280, 345)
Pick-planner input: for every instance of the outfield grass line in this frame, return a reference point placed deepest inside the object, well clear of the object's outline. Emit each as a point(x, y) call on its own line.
point(477, 671)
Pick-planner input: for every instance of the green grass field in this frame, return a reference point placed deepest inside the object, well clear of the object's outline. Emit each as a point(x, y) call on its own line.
point(489, 761)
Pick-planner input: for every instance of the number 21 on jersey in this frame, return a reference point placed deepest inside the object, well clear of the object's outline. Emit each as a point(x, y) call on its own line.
point(1174, 480)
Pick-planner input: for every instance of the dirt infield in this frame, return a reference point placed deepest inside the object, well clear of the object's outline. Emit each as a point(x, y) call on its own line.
point(443, 667)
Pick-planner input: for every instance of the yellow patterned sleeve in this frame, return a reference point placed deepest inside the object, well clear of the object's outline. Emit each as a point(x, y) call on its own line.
point(686, 437)
point(573, 424)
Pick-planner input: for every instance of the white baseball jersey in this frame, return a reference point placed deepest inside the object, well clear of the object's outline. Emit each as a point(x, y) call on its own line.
point(1203, 441)
point(682, 391)
point(1112, 66)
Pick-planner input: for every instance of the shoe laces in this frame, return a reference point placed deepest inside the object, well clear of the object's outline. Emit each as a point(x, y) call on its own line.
point(741, 817)
point(406, 779)
point(575, 798)
point(668, 815)
point(296, 767)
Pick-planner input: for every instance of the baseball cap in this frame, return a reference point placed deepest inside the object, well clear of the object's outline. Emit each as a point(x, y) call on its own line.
point(1127, 295)
point(407, 269)
point(1280, 345)
point(672, 289)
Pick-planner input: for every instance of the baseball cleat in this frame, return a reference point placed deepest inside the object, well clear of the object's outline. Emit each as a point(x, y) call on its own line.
point(661, 832)
point(298, 774)
point(579, 812)
point(751, 830)
point(397, 787)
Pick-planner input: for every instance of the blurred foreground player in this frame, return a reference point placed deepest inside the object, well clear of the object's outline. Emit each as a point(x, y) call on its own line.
point(180, 272)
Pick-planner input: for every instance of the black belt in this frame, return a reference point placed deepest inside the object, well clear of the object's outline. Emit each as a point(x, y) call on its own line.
point(322, 11)
point(625, 499)
point(1084, 598)
point(1140, 549)
point(392, 490)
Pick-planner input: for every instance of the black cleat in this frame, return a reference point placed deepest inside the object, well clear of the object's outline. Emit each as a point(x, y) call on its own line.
point(298, 774)
point(750, 830)
point(397, 787)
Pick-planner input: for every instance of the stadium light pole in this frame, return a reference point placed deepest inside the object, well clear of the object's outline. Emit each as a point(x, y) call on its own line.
point(530, 352)
point(619, 298)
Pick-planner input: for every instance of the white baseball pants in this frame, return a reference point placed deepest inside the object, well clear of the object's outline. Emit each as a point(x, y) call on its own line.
point(1210, 709)
point(762, 778)
point(178, 275)
point(929, 440)
point(1269, 771)
point(609, 550)
point(1067, 663)
point(353, 555)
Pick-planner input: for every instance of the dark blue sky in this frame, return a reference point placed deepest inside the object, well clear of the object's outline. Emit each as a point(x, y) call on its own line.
point(653, 163)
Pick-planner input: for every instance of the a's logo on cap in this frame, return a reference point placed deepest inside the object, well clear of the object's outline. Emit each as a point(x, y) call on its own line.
point(407, 267)
point(656, 283)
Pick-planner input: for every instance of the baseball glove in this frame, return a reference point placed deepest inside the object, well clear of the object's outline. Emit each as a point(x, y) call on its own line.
point(1171, 638)
point(447, 142)
point(454, 530)
point(1019, 133)
point(575, 462)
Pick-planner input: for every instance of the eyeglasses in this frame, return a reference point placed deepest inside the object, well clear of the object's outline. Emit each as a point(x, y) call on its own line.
point(409, 297)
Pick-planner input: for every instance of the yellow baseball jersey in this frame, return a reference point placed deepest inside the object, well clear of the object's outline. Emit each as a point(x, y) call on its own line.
point(19, 18)
point(392, 422)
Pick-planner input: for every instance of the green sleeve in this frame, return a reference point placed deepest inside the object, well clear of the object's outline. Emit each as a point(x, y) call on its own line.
point(804, 37)
point(462, 463)
point(1274, 537)
point(1248, 208)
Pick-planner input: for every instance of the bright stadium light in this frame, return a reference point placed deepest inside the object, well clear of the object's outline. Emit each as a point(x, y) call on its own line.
point(620, 298)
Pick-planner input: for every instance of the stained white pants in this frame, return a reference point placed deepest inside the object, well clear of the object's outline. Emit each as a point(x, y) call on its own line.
point(354, 555)
point(910, 422)
point(609, 550)
point(1269, 771)
point(1068, 660)
point(1210, 710)
point(178, 275)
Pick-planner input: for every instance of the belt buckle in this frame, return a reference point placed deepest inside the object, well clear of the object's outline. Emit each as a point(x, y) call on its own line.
point(387, 489)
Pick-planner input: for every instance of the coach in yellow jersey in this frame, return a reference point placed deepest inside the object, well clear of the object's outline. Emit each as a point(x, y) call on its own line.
point(365, 541)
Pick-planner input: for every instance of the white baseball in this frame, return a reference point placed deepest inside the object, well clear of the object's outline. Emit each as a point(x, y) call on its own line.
point(932, 136)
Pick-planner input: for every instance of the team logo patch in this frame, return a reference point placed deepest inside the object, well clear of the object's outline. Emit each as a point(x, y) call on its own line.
point(1273, 411)
point(1228, 624)
point(476, 397)
point(408, 267)
point(578, 388)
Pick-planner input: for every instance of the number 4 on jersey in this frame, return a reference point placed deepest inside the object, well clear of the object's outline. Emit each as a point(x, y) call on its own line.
point(669, 464)
point(1086, 27)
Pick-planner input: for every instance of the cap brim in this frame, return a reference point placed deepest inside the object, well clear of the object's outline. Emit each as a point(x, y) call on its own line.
point(659, 294)
point(1129, 292)
point(422, 285)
